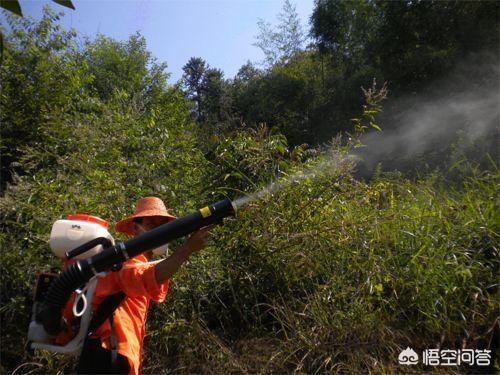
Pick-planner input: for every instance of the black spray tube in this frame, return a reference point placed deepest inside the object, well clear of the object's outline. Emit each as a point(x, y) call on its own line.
point(82, 271)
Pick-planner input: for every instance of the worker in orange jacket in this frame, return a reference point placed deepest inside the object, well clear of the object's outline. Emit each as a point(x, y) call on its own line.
point(116, 345)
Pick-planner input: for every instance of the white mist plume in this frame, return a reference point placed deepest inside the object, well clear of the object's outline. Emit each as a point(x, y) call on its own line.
point(333, 160)
point(468, 100)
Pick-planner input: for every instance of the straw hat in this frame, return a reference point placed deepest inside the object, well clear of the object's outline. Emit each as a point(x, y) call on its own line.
point(148, 206)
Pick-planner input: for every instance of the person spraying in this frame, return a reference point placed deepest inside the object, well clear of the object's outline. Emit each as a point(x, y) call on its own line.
point(114, 282)
point(116, 345)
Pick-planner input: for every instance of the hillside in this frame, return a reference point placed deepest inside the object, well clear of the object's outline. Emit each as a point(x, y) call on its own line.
point(328, 267)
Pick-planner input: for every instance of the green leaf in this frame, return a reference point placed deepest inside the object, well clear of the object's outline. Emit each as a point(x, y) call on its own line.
point(281, 148)
point(1, 48)
point(375, 126)
point(12, 6)
point(238, 175)
point(65, 3)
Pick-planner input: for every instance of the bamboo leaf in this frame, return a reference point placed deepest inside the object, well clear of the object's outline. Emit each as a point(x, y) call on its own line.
point(65, 3)
point(12, 6)
point(375, 126)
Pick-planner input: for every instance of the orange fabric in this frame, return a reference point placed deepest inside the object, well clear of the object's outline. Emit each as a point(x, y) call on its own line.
point(140, 286)
point(148, 206)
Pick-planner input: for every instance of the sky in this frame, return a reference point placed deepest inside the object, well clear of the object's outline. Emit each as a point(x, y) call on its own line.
point(219, 31)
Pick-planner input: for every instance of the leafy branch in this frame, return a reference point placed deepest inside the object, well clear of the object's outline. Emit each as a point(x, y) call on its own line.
point(373, 97)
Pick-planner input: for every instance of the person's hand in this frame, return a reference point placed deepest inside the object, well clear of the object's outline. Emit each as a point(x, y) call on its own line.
point(198, 240)
point(169, 266)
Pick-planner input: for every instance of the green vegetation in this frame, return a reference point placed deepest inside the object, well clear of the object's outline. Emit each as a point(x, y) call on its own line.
point(329, 274)
point(310, 92)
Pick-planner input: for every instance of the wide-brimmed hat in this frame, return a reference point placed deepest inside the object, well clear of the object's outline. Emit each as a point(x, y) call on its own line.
point(148, 206)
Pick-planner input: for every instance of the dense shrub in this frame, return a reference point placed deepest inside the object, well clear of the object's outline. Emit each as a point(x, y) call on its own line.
point(337, 275)
point(319, 272)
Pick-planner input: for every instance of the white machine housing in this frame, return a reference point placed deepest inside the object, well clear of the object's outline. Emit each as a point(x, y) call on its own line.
point(66, 235)
point(39, 339)
point(78, 229)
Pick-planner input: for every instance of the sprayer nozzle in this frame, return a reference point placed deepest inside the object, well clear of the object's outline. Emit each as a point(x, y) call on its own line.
point(223, 208)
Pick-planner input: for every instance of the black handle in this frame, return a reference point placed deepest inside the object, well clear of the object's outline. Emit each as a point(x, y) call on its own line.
point(87, 246)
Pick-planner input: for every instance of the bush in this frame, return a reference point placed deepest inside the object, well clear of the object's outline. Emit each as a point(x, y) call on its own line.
point(319, 272)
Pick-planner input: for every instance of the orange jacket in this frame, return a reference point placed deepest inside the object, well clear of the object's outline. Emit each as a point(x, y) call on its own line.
point(140, 286)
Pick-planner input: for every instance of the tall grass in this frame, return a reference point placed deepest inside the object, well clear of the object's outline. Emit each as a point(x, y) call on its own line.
point(328, 274)
point(337, 275)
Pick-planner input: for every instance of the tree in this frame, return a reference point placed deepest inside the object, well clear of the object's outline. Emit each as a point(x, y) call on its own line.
point(216, 100)
point(76, 152)
point(14, 7)
point(345, 29)
point(194, 71)
point(247, 72)
point(126, 67)
point(406, 42)
point(279, 45)
point(207, 88)
point(46, 77)
point(41, 80)
point(288, 97)
point(418, 41)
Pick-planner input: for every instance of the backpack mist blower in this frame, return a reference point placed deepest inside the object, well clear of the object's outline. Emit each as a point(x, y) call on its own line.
point(85, 239)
